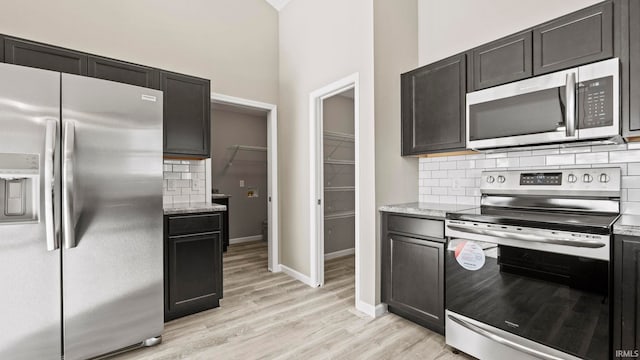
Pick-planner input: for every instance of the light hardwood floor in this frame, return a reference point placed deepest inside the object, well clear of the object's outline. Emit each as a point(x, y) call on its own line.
point(272, 316)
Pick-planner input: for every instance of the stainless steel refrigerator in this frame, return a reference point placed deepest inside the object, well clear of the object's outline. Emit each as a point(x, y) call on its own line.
point(80, 215)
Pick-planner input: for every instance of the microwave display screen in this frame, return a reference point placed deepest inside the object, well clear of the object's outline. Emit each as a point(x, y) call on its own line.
point(541, 179)
point(595, 103)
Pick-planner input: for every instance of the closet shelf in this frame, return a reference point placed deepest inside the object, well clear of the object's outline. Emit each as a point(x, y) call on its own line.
point(339, 188)
point(333, 135)
point(237, 148)
point(339, 215)
point(339, 162)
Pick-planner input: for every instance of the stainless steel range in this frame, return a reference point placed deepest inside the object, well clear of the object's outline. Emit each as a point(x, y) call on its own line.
point(527, 273)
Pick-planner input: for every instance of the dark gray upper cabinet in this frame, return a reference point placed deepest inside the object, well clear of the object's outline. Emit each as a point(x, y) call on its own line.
point(433, 107)
point(626, 287)
point(581, 37)
point(632, 127)
point(502, 61)
point(413, 269)
point(187, 115)
point(32, 54)
point(123, 72)
point(1, 48)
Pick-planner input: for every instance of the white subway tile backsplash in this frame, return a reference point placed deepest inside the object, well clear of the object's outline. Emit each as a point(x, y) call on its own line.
point(545, 152)
point(633, 195)
point(565, 159)
point(450, 165)
point(184, 181)
point(432, 166)
point(530, 161)
point(592, 158)
point(456, 179)
point(466, 164)
point(574, 150)
point(631, 182)
point(507, 162)
point(624, 156)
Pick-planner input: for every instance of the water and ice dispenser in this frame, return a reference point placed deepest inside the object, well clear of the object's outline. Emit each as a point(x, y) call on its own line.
point(19, 188)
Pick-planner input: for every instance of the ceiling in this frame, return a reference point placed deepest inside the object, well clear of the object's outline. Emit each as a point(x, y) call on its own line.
point(278, 4)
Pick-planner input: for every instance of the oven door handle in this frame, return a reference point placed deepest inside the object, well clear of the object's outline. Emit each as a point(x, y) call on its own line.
point(503, 341)
point(592, 244)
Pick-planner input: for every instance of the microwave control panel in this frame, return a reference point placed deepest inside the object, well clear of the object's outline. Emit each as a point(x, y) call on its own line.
point(595, 103)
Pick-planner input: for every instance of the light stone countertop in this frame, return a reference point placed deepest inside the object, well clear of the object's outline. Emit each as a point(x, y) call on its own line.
point(627, 225)
point(188, 208)
point(220, 196)
point(424, 209)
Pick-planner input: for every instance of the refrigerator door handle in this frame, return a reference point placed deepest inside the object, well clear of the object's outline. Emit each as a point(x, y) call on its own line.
point(68, 186)
point(49, 185)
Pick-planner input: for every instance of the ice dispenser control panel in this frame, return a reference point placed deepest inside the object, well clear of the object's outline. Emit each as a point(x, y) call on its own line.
point(19, 188)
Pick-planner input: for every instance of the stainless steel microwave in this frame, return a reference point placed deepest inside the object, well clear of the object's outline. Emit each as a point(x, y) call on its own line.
point(576, 104)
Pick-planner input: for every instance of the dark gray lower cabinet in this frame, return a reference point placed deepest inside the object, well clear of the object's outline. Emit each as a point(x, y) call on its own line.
point(413, 269)
point(626, 287)
point(193, 263)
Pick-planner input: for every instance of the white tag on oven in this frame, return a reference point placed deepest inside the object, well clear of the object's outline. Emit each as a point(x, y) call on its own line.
point(470, 255)
point(146, 97)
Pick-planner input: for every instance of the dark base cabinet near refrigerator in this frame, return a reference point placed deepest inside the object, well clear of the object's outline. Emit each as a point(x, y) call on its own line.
point(193, 263)
point(413, 268)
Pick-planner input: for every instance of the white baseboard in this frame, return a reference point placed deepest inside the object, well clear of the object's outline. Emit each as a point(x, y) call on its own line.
point(340, 253)
point(373, 311)
point(276, 269)
point(245, 239)
point(297, 275)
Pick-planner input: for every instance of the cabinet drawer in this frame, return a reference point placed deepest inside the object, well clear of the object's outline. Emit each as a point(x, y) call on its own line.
point(194, 224)
point(420, 227)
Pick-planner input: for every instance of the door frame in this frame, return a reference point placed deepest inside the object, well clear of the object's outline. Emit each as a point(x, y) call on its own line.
point(271, 110)
point(316, 176)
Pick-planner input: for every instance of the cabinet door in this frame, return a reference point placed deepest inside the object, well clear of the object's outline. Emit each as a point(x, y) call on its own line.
point(123, 72)
point(1, 48)
point(433, 107)
point(187, 117)
point(581, 37)
point(626, 318)
point(502, 61)
point(194, 273)
point(634, 70)
point(417, 280)
point(32, 54)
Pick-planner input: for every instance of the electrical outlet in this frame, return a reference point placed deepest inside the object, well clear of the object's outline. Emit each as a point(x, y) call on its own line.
point(241, 183)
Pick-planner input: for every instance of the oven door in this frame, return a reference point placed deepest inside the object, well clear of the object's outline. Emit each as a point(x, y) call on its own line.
point(531, 111)
point(541, 294)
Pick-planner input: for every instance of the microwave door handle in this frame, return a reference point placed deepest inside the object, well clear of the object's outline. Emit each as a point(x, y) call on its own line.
point(592, 244)
point(49, 184)
point(501, 340)
point(68, 185)
point(570, 105)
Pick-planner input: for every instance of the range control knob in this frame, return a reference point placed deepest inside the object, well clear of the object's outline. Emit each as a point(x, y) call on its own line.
point(587, 178)
point(491, 179)
point(501, 179)
point(572, 178)
point(604, 178)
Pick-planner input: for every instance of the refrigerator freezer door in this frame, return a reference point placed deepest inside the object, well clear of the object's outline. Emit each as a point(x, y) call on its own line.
point(30, 282)
point(112, 174)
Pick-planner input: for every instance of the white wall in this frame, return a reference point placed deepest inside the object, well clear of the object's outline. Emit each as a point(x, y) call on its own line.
point(396, 51)
point(450, 27)
point(232, 43)
point(322, 41)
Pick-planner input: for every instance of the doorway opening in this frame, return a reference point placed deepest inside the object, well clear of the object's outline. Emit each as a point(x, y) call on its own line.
point(244, 171)
point(334, 140)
